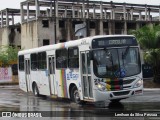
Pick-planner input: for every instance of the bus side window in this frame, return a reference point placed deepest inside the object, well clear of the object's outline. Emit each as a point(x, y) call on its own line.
point(21, 62)
point(42, 63)
point(88, 63)
point(34, 61)
point(61, 58)
point(73, 57)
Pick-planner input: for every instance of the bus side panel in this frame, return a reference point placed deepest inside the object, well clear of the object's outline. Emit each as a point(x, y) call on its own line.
point(43, 82)
point(35, 78)
point(22, 81)
point(73, 77)
point(66, 77)
point(41, 79)
point(61, 83)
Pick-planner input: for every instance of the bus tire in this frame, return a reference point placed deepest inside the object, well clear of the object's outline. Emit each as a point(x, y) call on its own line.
point(35, 90)
point(75, 97)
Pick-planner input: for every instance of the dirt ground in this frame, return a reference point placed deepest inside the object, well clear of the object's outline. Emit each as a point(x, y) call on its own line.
point(148, 83)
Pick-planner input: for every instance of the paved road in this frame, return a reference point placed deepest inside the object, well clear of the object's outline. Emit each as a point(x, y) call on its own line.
point(12, 99)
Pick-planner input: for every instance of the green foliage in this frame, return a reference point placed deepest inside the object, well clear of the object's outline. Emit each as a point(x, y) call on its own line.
point(149, 40)
point(8, 55)
point(148, 36)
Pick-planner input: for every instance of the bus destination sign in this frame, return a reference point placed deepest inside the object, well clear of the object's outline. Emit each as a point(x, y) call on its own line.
point(114, 42)
point(117, 42)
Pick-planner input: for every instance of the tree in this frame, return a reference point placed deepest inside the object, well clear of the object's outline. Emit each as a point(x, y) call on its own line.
point(149, 40)
point(8, 55)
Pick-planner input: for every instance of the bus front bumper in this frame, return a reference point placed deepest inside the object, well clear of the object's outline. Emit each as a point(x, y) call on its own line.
point(122, 94)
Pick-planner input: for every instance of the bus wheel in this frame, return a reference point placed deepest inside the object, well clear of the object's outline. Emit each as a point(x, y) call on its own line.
point(75, 95)
point(35, 90)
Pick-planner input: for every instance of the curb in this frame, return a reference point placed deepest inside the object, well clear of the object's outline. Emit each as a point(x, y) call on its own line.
point(151, 89)
point(9, 83)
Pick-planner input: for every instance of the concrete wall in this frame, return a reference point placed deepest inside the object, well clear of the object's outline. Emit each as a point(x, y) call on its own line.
point(45, 32)
point(5, 35)
point(33, 33)
point(10, 36)
point(29, 36)
point(92, 32)
point(17, 38)
point(0, 36)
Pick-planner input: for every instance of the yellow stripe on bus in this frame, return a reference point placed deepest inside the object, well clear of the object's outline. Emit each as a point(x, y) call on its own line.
point(61, 83)
point(108, 87)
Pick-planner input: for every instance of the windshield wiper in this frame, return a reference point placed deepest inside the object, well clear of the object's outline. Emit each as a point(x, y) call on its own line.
point(125, 53)
point(110, 57)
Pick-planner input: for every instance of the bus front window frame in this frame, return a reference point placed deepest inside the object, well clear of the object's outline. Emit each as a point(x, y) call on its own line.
point(112, 65)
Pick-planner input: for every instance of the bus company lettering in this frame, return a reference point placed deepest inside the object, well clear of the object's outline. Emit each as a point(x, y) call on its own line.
point(72, 76)
point(98, 80)
point(113, 42)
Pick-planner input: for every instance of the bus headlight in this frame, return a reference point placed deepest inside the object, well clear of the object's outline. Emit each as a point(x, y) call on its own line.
point(138, 83)
point(101, 86)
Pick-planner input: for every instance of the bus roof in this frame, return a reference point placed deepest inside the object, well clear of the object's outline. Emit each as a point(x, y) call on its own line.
point(67, 44)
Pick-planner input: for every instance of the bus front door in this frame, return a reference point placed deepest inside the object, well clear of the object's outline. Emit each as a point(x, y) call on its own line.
point(51, 75)
point(86, 75)
point(27, 74)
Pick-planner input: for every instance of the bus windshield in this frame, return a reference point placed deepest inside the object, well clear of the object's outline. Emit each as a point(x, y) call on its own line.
point(116, 62)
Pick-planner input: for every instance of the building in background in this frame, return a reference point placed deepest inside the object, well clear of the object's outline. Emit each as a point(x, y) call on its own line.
point(10, 33)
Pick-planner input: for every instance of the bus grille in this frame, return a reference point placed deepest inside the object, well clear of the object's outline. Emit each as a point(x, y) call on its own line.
point(128, 81)
point(126, 87)
point(121, 93)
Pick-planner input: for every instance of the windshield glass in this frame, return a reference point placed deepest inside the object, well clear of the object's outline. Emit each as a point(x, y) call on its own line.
point(116, 62)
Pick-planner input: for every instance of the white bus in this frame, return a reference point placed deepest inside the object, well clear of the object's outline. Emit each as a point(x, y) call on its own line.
point(94, 69)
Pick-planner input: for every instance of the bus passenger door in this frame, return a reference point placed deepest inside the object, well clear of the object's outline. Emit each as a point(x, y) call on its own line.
point(51, 75)
point(86, 75)
point(27, 75)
